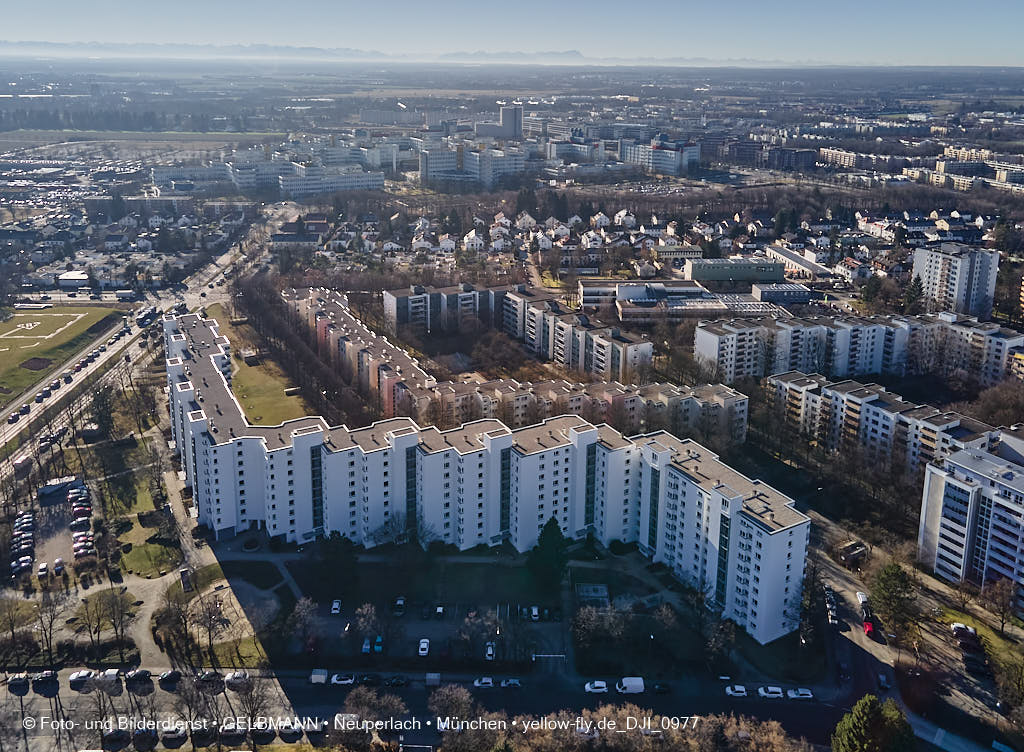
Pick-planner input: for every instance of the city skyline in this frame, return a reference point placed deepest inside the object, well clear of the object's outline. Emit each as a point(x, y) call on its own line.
point(799, 34)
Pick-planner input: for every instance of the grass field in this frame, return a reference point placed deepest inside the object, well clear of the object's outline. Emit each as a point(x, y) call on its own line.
point(148, 557)
point(33, 344)
point(259, 388)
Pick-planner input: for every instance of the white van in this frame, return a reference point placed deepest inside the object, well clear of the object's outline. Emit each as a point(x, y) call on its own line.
point(630, 685)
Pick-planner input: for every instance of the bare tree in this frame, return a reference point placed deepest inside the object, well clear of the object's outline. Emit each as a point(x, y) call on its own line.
point(206, 616)
point(302, 620)
point(1000, 598)
point(964, 594)
point(118, 610)
point(92, 615)
point(367, 621)
point(255, 702)
point(49, 613)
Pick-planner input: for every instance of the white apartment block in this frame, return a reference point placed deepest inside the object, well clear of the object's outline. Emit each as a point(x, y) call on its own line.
point(850, 416)
point(972, 508)
point(397, 385)
point(850, 346)
point(484, 483)
point(958, 277)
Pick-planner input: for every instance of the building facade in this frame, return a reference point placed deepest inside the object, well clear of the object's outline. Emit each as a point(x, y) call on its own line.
point(841, 347)
point(739, 540)
point(972, 508)
point(866, 418)
point(958, 277)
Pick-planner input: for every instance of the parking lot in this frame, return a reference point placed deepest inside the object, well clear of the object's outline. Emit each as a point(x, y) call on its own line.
point(54, 536)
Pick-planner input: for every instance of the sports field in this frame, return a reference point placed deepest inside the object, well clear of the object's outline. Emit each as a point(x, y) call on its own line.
point(33, 344)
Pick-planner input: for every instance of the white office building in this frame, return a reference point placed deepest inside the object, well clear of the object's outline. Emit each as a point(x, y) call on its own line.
point(738, 539)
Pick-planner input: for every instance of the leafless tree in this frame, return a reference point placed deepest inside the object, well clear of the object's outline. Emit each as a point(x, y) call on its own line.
point(118, 612)
point(255, 702)
point(303, 619)
point(49, 614)
point(93, 618)
point(206, 616)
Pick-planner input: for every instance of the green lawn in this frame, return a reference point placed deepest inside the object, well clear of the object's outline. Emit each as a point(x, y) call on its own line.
point(149, 559)
point(1002, 649)
point(246, 652)
point(51, 334)
point(259, 388)
point(25, 612)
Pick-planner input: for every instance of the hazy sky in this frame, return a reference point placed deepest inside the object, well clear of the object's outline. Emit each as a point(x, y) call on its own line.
point(926, 32)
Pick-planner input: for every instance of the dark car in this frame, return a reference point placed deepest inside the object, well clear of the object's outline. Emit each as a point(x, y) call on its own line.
point(144, 739)
point(170, 677)
point(174, 738)
point(231, 734)
point(262, 734)
point(661, 688)
point(969, 646)
point(138, 675)
point(202, 736)
point(396, 681)
point(370, 680)
point(115, 738)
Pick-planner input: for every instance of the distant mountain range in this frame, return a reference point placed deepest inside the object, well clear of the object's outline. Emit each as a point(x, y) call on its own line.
point(327, 54)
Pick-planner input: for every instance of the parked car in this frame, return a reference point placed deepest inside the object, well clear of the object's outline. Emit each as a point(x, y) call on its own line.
point(424, 647)
point(770, 693)
point(800, 694)
point(398, 680)
point(484, 682)
point(336, 606)
point(511, 684)
point(343, 679)
point(736, 690)
point(237, 680)
point(79, 680)
point(174, 737)
point(399, 607)
point(489, 651)
point(138, 675)
point(596, 687)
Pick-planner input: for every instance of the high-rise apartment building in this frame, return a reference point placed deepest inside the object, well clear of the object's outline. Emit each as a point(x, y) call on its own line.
point(958, 277)
point(739, 540)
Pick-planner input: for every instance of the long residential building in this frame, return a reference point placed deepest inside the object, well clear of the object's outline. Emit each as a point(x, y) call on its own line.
point(535, 317)
point(866, 418)
point(841, 347)
point(483, 483)
point(972, 514)
point(397, 385)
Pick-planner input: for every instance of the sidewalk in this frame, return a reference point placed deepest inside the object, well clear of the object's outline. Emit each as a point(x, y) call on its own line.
point(941, 738)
